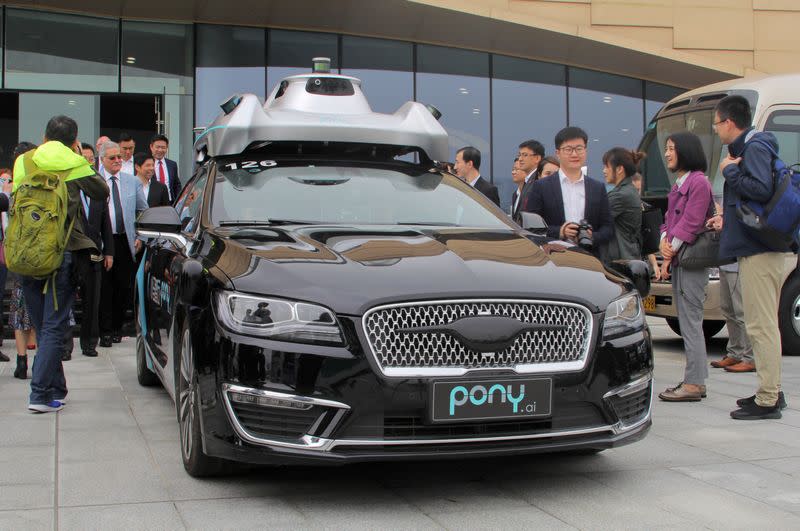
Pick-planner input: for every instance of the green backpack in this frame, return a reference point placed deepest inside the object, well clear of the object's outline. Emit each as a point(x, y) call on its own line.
point(37, 232)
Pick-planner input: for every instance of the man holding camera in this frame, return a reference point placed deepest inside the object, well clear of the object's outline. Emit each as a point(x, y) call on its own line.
point(574, 206)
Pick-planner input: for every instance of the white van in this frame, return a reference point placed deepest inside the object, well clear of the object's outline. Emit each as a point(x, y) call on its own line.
point(775, 101)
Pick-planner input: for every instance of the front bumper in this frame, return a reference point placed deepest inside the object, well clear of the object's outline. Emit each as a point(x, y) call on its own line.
point(266, 406)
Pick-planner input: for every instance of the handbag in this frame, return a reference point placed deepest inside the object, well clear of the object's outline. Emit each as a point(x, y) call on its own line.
point(704, 252)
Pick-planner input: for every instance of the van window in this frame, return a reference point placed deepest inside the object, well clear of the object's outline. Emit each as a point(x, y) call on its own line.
point(785, 125)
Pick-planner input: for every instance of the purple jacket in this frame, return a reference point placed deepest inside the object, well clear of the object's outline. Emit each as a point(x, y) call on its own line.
point(687, 208)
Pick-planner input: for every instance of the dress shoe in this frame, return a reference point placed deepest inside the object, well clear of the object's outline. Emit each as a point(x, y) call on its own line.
point(66, 356)
point(105, 341)
point(90, 353)
point(727, 361)
point(681, 394)
point(742, 367)
point(3, 357)
point(752, 400)
point(752, 411)
point(116, 339)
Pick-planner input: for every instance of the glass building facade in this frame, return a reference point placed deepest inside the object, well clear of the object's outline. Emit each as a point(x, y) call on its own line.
point(112, 72)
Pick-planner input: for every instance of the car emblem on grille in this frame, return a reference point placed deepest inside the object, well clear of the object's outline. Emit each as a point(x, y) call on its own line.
point(487, 334)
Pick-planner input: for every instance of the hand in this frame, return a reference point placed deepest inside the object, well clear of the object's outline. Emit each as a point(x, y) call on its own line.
point(108, 262)
point(715, 223)
point(569, 231)
point(727, 161)
point(666, 249)
point(137, 246)
point(657, 273)
point(665, 270)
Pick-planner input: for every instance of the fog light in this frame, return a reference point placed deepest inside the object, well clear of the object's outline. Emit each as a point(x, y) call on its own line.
point(266, 401)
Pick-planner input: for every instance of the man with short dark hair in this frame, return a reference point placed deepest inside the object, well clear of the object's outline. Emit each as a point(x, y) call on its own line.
point(166, 170)
point(155, 193)
point(748, 174)
point(49, 308)
point(568, 197)
point(127, 146)
point(530, 154)
point(89, 153)
point(467, 167)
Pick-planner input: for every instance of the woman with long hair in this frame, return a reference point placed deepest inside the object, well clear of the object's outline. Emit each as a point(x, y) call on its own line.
point(688, 204)
point(619, 165)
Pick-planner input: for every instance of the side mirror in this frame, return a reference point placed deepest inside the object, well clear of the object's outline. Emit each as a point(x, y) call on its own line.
point(634, 270)
point(161, 222)
point(534, 223)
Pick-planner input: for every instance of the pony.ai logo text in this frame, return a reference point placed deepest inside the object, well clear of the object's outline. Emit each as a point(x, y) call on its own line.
point(479, 395)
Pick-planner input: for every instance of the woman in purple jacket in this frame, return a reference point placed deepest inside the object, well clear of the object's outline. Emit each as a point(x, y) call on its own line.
point(687, 208)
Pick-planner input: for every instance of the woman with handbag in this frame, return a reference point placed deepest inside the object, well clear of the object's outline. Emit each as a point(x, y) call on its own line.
point(687, 207)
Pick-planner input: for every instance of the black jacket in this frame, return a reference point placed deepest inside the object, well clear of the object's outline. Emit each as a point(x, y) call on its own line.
point(98, 225)
point(487, 189)
point(546, 200)
point(158, 195)
point(174, 179)
point(626, 211)
point(751, 179)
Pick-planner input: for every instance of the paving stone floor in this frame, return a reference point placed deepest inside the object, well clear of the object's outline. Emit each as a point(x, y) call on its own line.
point(110, 460)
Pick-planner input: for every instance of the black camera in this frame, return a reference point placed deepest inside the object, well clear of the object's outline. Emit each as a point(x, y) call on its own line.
point(584, 237)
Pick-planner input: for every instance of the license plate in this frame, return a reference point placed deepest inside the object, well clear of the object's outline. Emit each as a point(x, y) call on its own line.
point(649, 303)
point(491, 399)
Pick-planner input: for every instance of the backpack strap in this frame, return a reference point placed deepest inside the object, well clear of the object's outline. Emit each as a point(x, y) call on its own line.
point(28, 164)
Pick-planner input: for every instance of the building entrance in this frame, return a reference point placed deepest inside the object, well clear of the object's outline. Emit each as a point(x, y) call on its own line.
point(23, 116)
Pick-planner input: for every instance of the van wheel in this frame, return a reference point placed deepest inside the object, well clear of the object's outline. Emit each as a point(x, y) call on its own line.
point(710, 328)
point(789, 316)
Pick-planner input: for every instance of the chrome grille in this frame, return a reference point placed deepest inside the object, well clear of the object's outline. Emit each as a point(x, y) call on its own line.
point(403, 354)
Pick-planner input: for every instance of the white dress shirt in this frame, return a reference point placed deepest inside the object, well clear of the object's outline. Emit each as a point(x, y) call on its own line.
point(112, 212)
point(472, 183)
point(146, 189)
point(573, 194)
point(127, 167)
point(167, 176)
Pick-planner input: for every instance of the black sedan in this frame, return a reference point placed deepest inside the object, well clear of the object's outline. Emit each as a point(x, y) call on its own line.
point(308, 309)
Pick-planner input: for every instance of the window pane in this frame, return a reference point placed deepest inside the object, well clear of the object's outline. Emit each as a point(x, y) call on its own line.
point(609, 108)
point(230, 60)
point(785, 125)
point(157, 58)
point(462, 99)
point(9, 124)
point(529, 101)
point(67, 52)
point(656, 95)
point(384, 68)
point(38, 108)
point(290, 53)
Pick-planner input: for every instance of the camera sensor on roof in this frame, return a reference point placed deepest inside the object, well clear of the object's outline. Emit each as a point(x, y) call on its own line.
point(321, 65)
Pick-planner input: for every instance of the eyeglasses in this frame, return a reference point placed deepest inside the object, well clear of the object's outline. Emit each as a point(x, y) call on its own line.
point(569, 150)
point(721, 121)
point(113, 157)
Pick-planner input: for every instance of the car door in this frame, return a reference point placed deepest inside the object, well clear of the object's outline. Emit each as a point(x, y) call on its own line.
point(162, 269)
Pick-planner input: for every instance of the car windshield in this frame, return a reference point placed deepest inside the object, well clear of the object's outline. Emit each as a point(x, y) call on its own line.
point(269, 191)
point(658, 180)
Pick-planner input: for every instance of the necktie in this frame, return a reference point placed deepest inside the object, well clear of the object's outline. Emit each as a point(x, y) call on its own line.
point(161, 176)
point(119, 222)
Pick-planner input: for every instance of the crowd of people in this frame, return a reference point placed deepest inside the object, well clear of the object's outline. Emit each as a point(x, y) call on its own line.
point(609, 224)
point(108, 184)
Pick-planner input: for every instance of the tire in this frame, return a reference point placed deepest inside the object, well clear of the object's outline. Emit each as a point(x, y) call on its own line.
point(710, 328)
point(187, 406)
point(146, 377)
point(789, 316)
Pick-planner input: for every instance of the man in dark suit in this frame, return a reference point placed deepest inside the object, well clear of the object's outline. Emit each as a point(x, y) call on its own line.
point(467, 167)
point(155, 193)
point(98, 228)
point(530, 154)
point(166, 170)
point(569, 196)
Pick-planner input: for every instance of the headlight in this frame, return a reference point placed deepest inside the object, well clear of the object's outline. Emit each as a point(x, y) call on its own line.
point(278, 319)
point(623, 316)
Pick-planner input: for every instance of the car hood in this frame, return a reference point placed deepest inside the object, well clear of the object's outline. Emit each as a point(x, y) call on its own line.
point(351, 269)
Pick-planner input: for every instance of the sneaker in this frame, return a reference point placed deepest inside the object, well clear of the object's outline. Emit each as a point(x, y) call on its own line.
point(753, 411)
point(62, 400)
point(51, 406)
point(752, 400)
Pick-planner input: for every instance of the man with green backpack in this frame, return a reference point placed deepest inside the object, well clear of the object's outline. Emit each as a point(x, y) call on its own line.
point(45, 238)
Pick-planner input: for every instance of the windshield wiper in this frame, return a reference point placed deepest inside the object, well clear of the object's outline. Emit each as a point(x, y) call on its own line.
point(262, 222)
point(431, 223)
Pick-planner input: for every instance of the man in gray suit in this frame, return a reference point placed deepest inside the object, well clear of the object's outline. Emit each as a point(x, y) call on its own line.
point(125, 201)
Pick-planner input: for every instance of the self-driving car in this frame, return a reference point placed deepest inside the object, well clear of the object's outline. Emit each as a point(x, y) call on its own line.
point(324, 292)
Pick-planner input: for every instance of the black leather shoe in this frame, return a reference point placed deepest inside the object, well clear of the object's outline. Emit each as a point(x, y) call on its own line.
point(116, 339)
point(66, 356)
point(755, 412)
point(105, 341)
point(752, 400)
point(90, 353)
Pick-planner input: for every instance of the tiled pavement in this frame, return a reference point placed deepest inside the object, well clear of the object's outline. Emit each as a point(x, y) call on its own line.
point(110, 460)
